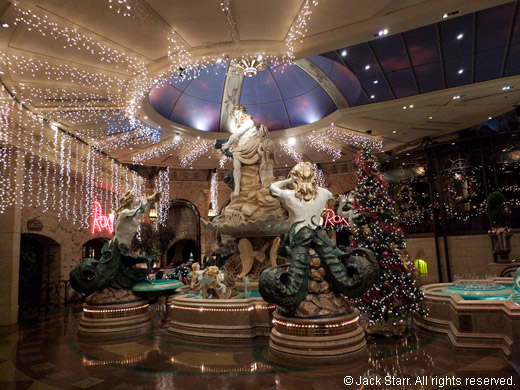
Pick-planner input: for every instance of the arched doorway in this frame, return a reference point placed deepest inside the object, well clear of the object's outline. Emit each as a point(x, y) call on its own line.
point(40, 258)
point(181, 252)
point(183, 218)
point(92, 248)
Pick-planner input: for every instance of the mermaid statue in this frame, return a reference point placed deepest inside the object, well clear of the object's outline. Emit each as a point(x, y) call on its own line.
point(115, 267)
point(315, 263)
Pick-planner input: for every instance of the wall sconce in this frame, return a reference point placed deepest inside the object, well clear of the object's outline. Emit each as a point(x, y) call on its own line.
point(152, 214)
point(211, 212)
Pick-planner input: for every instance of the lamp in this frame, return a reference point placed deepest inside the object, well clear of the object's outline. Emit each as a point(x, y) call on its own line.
point(152, 214)
point(211, 212)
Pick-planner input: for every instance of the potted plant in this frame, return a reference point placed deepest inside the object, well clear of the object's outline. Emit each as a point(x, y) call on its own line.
point(499, 233)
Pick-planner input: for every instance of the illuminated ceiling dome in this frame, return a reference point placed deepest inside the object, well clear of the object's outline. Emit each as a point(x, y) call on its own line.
point(281, 97)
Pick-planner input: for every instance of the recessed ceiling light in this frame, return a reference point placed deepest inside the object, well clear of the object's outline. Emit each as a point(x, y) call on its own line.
point(460, 36)
point(404, 107)
point(448, 14)
point(291, 141)
point(138, 106)
point(5, 25)
point(344, 53)
point(131, 148)
point(177, 137)
point(460, 71)
point(395, 131)
point(431, 117)
point(332, 124)
point(219, 60)
point(372, 96)
point(453, 144)
point(456, 97)
point(367, 67)
point(145, 117)
point(54, 127)
point(376, 81)
point(382, 32)
point(158, 127)
point(506, 88)
point(410, 106)
point(260, 57)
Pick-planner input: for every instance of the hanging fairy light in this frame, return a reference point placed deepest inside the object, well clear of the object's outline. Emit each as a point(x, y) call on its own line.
point(162, 186)
point(214, 192)
point(288, 149)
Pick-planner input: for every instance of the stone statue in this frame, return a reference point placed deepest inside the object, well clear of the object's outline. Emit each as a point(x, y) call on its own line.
point(253, 146)
point(346, 275)
point(515, 296)
point(217, 284)
point(115, 268)
point(347, 200)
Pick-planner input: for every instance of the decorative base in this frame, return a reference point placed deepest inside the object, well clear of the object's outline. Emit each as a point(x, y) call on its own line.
point(115, 320)
point(222, 319)
point(318, 341)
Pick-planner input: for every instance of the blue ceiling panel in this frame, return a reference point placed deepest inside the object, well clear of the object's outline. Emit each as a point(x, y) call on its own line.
point(178, 82)
point(391, 53)
point(259, 89)
point(513, 62)
point(162, 98)
point(342, 77)
point(429, 77)
point(515, 38)
point(493, 26)
point(423, 45)
point(293, 81)
point(488, 64)
point(402, 83)
point(310, 107)
point(380, 91)
point(196, 113)
point(450, 30)
point(273, 115)
point(358, 58)
point(452, 67)
point(209, 84)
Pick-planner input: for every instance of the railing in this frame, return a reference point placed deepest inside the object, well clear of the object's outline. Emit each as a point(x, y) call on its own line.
point(45, 298)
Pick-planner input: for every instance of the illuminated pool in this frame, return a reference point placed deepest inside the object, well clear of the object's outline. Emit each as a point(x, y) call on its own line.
point(475, 291)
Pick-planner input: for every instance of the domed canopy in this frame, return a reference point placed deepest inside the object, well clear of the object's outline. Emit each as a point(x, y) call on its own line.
point(281, 97)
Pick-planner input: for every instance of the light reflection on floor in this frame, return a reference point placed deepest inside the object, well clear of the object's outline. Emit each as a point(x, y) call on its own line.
point(49, 356)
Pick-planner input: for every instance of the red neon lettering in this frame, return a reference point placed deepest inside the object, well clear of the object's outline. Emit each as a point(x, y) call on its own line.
point(101, 221)
point(332, 218)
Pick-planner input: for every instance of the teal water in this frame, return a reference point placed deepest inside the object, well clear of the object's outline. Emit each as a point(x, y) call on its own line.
point(500, 292)
point(252, 294)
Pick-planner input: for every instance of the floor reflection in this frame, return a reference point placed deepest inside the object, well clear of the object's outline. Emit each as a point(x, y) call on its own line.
point(49, 355)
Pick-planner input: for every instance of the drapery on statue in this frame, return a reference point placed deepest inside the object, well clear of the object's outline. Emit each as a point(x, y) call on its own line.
point(114, 269)
point(253, 146)
point(345, 272)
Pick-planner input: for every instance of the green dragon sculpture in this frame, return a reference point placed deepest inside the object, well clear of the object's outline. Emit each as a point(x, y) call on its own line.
point(113, 269)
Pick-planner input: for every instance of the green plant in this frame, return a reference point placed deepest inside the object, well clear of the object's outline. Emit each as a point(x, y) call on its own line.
point(496, 213)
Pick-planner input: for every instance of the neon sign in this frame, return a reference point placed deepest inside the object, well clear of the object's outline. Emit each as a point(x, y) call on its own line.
point(100, 221)
point(332, 219)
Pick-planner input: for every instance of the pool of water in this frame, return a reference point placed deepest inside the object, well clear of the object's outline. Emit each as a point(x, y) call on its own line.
point(482, 292)
point(241, 294)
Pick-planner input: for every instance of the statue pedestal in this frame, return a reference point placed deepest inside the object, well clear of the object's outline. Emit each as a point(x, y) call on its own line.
point(115, 320)
point(318, 340)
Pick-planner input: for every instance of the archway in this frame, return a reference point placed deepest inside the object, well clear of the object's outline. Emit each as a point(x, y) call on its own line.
point(92, 248)
point(40, 262)
point(181, 252)
point(183, 218)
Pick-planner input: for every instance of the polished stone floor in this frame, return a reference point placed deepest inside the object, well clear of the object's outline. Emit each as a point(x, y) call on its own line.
point(48, 355)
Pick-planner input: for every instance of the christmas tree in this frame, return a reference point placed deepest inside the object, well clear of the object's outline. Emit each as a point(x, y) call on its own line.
point(396, 296)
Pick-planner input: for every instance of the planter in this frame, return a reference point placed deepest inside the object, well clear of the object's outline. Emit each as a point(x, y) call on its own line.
point(501, 245)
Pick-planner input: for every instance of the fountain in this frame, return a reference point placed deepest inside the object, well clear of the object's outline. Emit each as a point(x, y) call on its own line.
point(476, 313)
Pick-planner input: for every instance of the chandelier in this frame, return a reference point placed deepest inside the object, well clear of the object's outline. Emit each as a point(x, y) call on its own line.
point(249, 67)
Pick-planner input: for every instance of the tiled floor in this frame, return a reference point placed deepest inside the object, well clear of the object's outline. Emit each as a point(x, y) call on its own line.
point(50, 356)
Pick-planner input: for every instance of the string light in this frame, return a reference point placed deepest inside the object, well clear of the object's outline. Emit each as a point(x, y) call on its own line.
point(214, 192)
point(288, 149)
point(162, 186)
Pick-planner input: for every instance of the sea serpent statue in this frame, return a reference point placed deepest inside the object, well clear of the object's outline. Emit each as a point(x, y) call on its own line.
point(348, 273)
point(115, 267)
